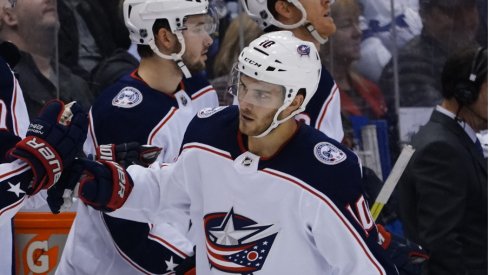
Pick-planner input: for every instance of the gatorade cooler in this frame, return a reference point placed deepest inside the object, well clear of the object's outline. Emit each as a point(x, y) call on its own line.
point(39, 241)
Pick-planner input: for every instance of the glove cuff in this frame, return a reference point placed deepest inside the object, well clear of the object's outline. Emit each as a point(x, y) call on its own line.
point(43, 159)
point(122, 185)
point(106, 152)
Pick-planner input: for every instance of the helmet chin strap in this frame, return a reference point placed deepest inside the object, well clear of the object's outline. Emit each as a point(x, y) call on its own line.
point(302, 22)
point(315, 34)
point(275, 123)
point(177, 57)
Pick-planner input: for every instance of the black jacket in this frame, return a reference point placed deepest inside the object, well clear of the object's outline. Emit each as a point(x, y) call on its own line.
point(443, 198)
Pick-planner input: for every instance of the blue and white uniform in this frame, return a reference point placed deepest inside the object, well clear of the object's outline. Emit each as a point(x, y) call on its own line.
point(300, 211)
point(14, 121)
point(130, 110)
point(323, 112)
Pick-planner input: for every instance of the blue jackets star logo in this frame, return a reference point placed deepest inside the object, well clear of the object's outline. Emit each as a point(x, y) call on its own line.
point(236, 244)
point(15, 189)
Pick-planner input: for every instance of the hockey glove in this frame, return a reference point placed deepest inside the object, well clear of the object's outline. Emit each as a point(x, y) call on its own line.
point(406, 255)
point(60, 196)
point(104, 186)
point(128, 153)
point(49, 145)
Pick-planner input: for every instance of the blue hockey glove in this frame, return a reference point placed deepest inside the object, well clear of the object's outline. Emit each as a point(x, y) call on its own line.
point(60, 196)
point(49, 145)
point(406, 255)
point(104, 186)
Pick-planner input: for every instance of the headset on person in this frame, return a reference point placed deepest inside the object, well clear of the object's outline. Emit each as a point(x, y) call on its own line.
point(467, 91)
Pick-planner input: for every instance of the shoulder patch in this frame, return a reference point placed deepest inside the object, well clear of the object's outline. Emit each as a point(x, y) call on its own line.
point(128, 97)
point(207, 112)
point(328, 154)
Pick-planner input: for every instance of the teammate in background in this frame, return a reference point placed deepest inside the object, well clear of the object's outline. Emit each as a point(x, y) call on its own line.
point(310, 21)
point(443, 191)
point(35, 162)
point(14, 121)
point(152, 105)
point(264, 191)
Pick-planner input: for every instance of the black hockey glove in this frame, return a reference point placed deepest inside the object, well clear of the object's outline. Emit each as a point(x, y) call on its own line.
point(128, 153)
point(50, 146)
point(60, 197)
point(104, 185)
point(406, 255)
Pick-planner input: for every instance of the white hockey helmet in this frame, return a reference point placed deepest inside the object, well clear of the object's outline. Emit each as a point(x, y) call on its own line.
point(258, 10)
point(282, 59)
point(140, 16)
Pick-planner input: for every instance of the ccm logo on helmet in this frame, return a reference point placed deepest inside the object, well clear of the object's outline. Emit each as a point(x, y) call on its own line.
point(47, 154)
point(252, 62)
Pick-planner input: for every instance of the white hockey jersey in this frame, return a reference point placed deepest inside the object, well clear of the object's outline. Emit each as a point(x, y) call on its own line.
point(128, 111)
point(298, 212)
point(14, 121)
point(323, 112)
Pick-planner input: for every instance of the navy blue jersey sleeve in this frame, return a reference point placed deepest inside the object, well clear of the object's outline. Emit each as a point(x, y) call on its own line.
point(14, 180)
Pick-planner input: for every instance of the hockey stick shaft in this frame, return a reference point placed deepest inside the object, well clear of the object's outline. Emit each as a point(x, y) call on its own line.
point(392, 180)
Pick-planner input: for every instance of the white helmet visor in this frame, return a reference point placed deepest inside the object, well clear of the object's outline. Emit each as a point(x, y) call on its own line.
point(208, 25)
point(255, 92)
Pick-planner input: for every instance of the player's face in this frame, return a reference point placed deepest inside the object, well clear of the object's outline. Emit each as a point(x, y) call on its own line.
point(258, 103)
point(318, 14)
point(197, 41)
point(348, 36)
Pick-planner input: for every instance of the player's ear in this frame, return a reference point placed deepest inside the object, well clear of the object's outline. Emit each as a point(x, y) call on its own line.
point(165, 40)
point(7, 17)
point(295, 104)
point(284, 9)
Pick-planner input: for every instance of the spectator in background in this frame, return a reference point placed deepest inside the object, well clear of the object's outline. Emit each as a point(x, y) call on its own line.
point(447, 27)
point(443, 191)
point(229, 51)
point(359, 96)
point(122, 60)
point(32, 25)
point(90, 31)
point(378, 40)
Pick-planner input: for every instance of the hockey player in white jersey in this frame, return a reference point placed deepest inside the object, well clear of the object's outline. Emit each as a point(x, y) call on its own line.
point(152, 105)
point(310, 21)
point(14, 121)
point(266, 194)
point(34, 163)
point(14, 175)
